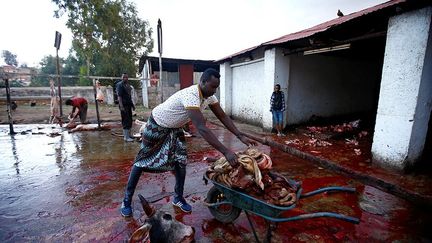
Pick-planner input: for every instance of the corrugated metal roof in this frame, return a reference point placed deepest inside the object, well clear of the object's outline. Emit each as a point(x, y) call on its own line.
point(318, 28)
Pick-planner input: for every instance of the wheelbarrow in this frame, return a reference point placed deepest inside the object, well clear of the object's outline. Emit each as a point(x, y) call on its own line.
point(226, 204)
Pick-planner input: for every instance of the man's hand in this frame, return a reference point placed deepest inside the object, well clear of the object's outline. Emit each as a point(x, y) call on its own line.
point(231, 157)
point(247, 141)
point(210, 159)
point(122, 108)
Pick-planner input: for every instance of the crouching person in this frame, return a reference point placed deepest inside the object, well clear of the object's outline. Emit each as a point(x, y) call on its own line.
point(163, 145)
point(80, 104)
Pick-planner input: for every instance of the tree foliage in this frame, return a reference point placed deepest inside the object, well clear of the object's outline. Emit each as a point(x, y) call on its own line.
point(71, 66)
point(48, 66)
point(9, 58)
point(108, 35)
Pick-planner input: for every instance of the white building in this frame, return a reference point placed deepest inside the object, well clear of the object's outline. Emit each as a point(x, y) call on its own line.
point(375, 62)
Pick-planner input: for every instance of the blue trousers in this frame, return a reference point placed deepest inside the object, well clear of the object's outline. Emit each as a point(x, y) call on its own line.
point(277, 117)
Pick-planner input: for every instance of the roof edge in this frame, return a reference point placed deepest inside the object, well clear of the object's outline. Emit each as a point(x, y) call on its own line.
point(317, 28)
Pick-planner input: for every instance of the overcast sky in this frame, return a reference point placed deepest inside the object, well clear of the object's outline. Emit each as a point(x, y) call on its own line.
point(192, 29)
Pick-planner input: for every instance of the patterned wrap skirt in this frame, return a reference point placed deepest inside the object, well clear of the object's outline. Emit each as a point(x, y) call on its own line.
point(161, 148)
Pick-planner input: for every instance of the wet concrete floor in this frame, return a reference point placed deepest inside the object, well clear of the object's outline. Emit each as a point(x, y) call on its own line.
point(69, 188)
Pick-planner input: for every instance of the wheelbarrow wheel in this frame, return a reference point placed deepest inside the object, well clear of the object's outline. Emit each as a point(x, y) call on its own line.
point(225, 213)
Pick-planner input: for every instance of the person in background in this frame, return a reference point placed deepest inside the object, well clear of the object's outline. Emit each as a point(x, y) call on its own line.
point(80, 104)
point(124, 95)
point(163, 146)
point(277, 107)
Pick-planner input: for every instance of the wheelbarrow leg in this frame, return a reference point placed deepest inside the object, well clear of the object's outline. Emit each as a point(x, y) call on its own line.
point(253, 229)
point(271, 226)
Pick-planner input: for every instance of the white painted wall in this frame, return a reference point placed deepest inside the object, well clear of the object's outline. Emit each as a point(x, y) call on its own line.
point(225, 87)
point(328, 86)
point(405, 95)
point(247, 96)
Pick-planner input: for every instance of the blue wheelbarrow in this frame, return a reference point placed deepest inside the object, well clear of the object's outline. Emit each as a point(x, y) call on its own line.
point(226, 204)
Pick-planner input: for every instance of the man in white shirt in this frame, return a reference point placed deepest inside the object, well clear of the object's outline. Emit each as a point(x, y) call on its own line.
point(163, 145)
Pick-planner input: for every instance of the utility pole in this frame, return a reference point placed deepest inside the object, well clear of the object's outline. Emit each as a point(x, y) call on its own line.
point(96, 102)
point(159, 31)
point(11, 130)
point(57, 46)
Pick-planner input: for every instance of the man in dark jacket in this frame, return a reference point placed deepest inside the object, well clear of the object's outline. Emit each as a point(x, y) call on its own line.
point(126, 106)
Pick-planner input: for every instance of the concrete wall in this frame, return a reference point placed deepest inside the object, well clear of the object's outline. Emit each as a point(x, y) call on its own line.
point(406, 90)
point(247, 97)
point(329, 86)
point(226, 88)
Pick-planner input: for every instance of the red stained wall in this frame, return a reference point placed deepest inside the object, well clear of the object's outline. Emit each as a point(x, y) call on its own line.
point(186, 75)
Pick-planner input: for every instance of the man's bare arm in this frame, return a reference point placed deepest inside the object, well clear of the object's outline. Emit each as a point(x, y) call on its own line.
point(228, 123)
point(199, 122)
point(72, 115)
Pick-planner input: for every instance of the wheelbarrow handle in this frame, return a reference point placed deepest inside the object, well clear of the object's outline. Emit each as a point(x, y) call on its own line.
point(328, 189)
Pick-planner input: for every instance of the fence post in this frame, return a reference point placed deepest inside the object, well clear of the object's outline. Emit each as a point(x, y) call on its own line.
point(11, 130)
point(96, 102)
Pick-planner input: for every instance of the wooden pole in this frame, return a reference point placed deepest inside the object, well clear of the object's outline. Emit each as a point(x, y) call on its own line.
point(96, 102)
point(59, 83)
point(11, 130)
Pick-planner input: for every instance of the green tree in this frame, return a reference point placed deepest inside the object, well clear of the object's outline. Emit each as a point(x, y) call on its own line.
point(9, 58)
point(108, 35)
point(72, 67)
point(48, 66)
point(82, 81)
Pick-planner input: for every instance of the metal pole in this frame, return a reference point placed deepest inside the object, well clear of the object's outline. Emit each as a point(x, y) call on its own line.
point(59, 83)
point(11, 130)
point(96, 102)
point(159, 29)
point(253, 228)
point(160, 76)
